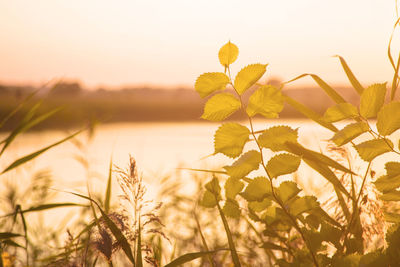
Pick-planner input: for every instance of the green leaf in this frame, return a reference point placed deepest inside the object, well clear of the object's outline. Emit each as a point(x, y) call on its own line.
point(220, 107)
point(210, 82)
point(309, 113)
point(372, 100)
point(231, 208)
point(393, 195)
point(233, 187)
point(282, 164)
point(189, 257)
point(208, 200)
point(340, 112)
point(386, 183)
point(230, 139)
point(267, 101)
point(37, 153)
point(248, 76)
point(353, 80)
point(276, 137)
point(303, 204)
point(349, 132)
point(388, 120)
point(258, 206)
point(287, 190)
point(257, 189)
point(247, 163)
point(369, 150)
point(228, 54)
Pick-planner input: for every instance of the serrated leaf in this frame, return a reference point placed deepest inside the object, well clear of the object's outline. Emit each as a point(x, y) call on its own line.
point(247, 163)
point(213, 186)
point(220, 107)
point(257, 189)
point(372, 100)
point(349, 132)
point(248, 76)
point(392, 168)
point(210, 82)
point(275, 137)
point(353, 80)
point(230, 139)
point(282, 164)
point(228, 54)
point(233, 187)
point(393, 195)
point(388, 120)
point(231, 208)
point(386, 183)
point(303, 204)
point(369, 150)
point(287, 190)
point(258, 206)
point(208, 200)
point(340, 112)
point(267, 101)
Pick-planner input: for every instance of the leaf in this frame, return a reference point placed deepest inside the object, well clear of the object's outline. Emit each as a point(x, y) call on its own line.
point(340, 112)
point(107, 199)
point(303, 204)
point(228, 54)
point(272, 246)
point(210, 82)
point(213, 186)
point(392, 168)
point(372, 100)
point(8, 235)
point(46, 207)
point(248, 76)
point(267, 101)
point(282, 164)
point(220, 107)
point(37, 153)
point(139, 259)
point(353, 80)
point(233, 187)
point(259, 206)
point(230, 139)
point(247, 163)
point(287, 190)
point(275, 137)
point(391, 217)
point(231, 208)
point(208, 200)
point(349, 132)
point(189, 257)
point(257, 189)
point(393, 195)
point(309, 113)
point(369, 150)
point(388, 120)
point(386, 183)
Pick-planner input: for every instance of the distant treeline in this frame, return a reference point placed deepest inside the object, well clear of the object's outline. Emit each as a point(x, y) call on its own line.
point(82, 106)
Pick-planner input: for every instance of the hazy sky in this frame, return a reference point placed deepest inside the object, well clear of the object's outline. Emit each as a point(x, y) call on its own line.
point(171, 42)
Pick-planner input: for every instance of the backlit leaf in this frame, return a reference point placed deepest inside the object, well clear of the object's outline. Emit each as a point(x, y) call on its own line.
point(372, 100)
point(287, 190)
point(248, 76)
point(233, 187)
point(392, 217)
point(283, 164)
point(230, 139)
point(189, 257)
point(303, 204)
point(349, 132)
point(353, 80)
point(228, 54)
point(388, 120)
point(210, 82)
point(257, 189)
point(393, 195)
point(275, 137)
point(392, 168)
point(369, 150)
point(259, 206)
point(267, 101)
point(213, 186)
point(386, 183)
point(208, 200)
point(231, 208)
point(340, 112)
point(247, 163)
point(220, 107)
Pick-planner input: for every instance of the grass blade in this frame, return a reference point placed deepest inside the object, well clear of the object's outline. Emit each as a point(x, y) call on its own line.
point(353, 80)
point(8, 235)
point(189, 257)
point(139, 248)
point(107, 199)
point(46, 207)
point(37, 153)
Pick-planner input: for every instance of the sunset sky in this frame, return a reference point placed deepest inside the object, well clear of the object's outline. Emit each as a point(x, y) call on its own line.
point(159, 42)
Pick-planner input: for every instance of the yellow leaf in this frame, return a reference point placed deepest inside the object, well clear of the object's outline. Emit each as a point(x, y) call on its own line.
point(228, 54)
point(267, 101)
point(340, 112)
point(388, 120)
point(230, 139)
point(369, 150)
point(349, 132)
point(282, 164)
point(208, 83)
point(231, 208)
point(372, 100)
point(247, 163)
point(233, 187)
point(248, 76)
point(287, 190)
point(275, 137)
point(257, 189)
point(220, 106)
